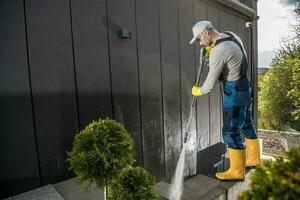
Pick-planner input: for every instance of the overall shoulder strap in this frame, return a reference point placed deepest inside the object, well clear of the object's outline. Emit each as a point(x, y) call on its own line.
point(230, 38)
point(233, 39)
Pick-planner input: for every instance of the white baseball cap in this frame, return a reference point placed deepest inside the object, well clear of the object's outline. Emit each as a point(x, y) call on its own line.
point(199, 27)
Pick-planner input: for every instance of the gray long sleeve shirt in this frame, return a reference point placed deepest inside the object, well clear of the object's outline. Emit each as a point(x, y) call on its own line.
point(226, 57)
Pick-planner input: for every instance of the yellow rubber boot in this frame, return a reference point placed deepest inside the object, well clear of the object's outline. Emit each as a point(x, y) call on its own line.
point(253, 152)
point(236, 171)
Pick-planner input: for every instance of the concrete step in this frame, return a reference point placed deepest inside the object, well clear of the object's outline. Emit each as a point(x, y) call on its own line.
point(193, 189)
point(206, 188)
point(196, 188)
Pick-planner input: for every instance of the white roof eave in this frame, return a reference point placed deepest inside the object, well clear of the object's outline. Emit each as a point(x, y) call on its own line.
point(240, 7)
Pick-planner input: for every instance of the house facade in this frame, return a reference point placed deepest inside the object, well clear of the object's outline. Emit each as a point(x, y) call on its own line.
point(64, 63)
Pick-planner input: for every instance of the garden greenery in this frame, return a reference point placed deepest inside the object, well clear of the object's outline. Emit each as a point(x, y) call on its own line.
point(133, 183)
point(100, 151)
point(276, 180)
point(279, 89)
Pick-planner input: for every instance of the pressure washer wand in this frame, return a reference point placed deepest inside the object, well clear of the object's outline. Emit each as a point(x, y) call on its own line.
point(199, 74)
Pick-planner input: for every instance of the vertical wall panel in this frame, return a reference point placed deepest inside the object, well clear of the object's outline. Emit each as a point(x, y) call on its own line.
point(200, 13)
point(249, 54)
point(124, 69)
point(171, 83)
point(147, 20)
point(53, 84)
point(19, 165)
point(91, 59)
point(233, 26)
point(224, 20)
point(254, 71)
point(188, 74)
point(241, 29)
point(254, 64)
point(246, 42)
point(215, 95)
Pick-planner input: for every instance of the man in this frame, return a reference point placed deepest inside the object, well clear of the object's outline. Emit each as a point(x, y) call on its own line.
point(228, 63)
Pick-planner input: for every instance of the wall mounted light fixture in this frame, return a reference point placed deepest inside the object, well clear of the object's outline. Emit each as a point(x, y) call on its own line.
point(124, 33)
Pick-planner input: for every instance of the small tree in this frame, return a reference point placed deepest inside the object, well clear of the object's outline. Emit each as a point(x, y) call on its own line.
point(274, 104)
point(276, 180)
point(100, 151)
point(279, 93)
point(133, 183)
point(294, 93)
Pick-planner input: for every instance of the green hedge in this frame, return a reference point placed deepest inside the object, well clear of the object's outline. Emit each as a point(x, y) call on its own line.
point(276, 180)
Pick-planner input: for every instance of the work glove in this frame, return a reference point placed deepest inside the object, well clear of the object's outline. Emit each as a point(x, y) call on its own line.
point(196, 91)
point(208, 50)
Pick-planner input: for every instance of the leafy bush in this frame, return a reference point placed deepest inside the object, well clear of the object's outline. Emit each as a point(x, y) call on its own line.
point(276, 180)
point(100, 151)
point(279, 90)
point(294, 93)
point(279, 95)
point(274, 104)
point(133, 183)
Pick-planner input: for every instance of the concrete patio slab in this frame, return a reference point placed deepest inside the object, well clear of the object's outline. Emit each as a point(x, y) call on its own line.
point(72, 190)
point(47, 192)
point(201, 187)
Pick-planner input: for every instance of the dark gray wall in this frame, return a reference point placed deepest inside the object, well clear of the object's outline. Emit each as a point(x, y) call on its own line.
point(63, 65)
point(19, 166)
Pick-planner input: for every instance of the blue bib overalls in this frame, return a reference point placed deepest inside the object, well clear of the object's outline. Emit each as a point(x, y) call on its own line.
point(237, 105)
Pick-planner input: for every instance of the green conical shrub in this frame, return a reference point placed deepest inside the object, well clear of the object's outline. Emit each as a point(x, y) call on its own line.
point(100, 151)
